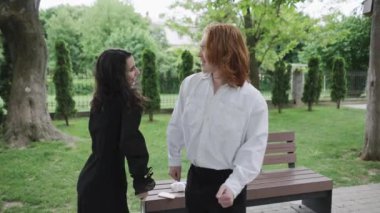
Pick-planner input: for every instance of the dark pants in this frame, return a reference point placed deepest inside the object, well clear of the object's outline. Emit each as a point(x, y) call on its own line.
point(201, 188)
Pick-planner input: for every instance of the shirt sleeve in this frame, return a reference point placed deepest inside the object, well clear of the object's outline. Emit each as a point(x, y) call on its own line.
point(175, 138)
point(132, 144)
point(249, 157)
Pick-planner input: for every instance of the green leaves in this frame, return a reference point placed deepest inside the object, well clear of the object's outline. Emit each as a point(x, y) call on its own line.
point(63, 82)
point(339, 81)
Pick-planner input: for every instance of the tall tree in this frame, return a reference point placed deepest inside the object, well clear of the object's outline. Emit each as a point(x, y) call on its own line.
point(186, 67)
point(371, 149)
point(150, 83)
point(28, 118)
point(339, 81)
point(310, 92)
point(63, 81)
point(281, 85)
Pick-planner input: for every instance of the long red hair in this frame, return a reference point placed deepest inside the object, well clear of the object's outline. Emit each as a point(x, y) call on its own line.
point(227, 50)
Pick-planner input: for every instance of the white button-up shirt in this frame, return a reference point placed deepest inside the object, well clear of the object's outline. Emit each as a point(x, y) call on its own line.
point(225, 130)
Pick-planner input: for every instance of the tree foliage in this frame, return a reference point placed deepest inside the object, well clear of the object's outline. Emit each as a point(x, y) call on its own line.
point(63, 82)
point(339, 81)
point(62, 23)
point(266, 24)
point(311, 87)
point(186, 68)
point(281, 85)
point(87, 30)
point(346, 37)
point(150, 83)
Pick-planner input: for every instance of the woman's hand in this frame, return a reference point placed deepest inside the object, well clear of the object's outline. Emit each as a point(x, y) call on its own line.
point(175, 172)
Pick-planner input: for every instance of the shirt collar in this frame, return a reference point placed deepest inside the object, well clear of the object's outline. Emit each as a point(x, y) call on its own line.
point(205, 75)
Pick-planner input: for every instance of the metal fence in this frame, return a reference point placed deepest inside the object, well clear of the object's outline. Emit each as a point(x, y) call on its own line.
point(83, 86)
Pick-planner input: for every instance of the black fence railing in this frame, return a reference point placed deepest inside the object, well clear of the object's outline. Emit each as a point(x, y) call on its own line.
point(83, 87)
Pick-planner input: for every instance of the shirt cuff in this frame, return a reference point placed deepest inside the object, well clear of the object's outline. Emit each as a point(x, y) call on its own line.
point(174, 161)
point(234, 185)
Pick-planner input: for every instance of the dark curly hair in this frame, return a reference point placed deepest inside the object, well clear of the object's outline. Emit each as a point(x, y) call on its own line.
point(111, 80)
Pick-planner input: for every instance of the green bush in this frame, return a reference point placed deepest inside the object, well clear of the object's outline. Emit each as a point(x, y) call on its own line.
point(186, 67)
point(150, 83)
point(339, 84)
point(281, 85)
point(311, 88)
point(63, 82)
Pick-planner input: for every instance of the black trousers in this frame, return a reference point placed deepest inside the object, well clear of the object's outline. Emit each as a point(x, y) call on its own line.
point(201, 188)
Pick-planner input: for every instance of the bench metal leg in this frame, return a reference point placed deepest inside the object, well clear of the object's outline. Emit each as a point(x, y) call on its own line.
point(321, 204)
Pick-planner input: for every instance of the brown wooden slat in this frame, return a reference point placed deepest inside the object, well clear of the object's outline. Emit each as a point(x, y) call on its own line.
point(284, 172)
point(292, 182)
point(278, 159)
point(280, 136)
point(282, 175)
point(289, 188)
point(157, 203)
point(280, 148)
point(284, 179)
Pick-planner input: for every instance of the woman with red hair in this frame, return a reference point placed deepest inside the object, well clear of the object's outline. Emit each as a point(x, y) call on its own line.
point(222, 121)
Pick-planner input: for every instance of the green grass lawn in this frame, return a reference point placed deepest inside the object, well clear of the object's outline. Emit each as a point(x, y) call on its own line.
point(42, 177)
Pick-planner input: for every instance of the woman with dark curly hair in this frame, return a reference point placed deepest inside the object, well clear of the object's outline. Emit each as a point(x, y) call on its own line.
point(115, 116)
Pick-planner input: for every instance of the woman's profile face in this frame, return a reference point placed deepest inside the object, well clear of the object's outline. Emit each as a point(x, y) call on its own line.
point(132, 71)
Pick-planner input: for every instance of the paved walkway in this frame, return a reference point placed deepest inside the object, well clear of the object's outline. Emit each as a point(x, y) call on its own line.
point(354, 199)
point(356, 106)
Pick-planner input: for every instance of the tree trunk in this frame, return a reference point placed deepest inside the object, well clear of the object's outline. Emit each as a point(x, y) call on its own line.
point(251, 43)
point(151, 116)
point(28, 118)
point(309, 106)
point(371, 149)
point(67, 120)
point(338, 104)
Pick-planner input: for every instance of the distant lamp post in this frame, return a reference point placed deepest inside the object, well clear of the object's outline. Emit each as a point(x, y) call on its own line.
point(367, 7)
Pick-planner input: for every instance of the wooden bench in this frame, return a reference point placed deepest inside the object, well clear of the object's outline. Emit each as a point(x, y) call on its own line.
point(272, 186)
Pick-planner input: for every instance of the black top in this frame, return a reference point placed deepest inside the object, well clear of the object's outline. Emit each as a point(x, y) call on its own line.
point(102, 182)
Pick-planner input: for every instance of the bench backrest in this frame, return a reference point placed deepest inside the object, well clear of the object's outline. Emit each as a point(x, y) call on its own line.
point(280, 149)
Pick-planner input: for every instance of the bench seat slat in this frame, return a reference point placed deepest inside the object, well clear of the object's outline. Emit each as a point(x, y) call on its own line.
point(287, 172)
point(289, 188)
point(285, 178)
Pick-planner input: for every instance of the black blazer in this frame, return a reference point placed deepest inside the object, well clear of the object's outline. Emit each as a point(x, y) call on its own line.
point(115, 134)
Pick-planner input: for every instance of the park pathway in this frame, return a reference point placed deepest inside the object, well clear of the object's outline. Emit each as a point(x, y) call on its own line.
point(353, 199)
